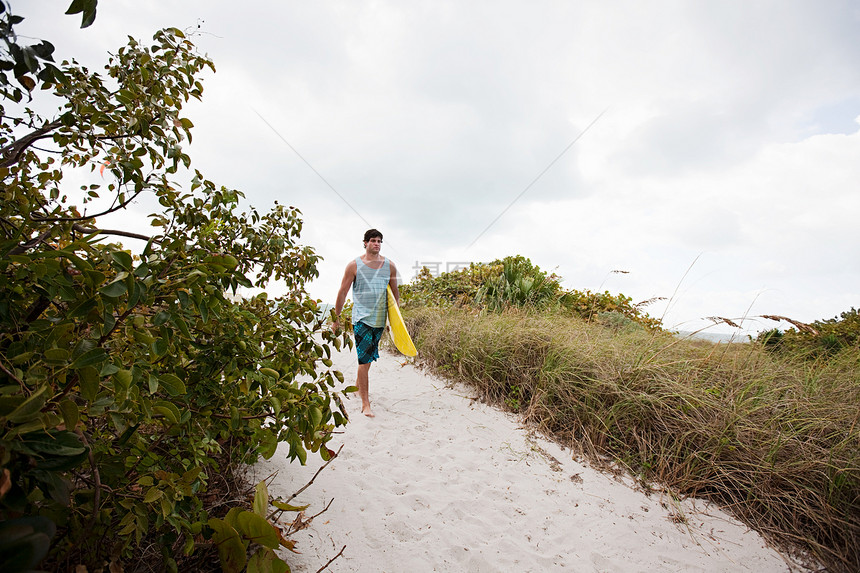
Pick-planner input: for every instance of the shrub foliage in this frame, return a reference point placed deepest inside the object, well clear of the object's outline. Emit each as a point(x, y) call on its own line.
point(514, 282)
point(130, 381)
point(821, 339)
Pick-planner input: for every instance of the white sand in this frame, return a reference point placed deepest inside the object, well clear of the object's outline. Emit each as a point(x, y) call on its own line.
point(440, 482)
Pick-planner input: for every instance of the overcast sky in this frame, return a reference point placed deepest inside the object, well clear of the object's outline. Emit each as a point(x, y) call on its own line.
point(714, 150)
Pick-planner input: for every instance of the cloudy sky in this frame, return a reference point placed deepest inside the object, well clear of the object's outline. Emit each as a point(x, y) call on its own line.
point(707, 148)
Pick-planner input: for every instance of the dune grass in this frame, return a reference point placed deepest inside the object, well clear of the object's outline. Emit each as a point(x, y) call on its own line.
point(775, 442)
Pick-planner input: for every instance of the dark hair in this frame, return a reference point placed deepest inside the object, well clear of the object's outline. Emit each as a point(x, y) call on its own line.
point(371, 233)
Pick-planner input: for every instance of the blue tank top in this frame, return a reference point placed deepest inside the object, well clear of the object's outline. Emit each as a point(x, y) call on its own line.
point(371, 298)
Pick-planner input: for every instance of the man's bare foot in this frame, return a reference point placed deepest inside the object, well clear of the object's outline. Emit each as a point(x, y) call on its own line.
point(367, 412)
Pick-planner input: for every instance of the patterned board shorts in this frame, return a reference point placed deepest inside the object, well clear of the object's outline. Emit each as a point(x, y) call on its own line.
point(367, 342)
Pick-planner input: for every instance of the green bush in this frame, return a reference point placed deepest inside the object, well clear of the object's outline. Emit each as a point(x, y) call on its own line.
point(514, 282)
point(455, 288)
point(131, 382)
point(520, 284)
point(821, 339)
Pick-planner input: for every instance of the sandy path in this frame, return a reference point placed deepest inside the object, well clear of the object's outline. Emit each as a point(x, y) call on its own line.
point(440, 482)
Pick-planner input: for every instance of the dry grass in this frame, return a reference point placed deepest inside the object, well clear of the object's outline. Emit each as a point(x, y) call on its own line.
point(775, 442)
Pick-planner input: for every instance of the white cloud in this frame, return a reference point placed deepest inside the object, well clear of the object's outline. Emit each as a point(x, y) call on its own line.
point(729, 135)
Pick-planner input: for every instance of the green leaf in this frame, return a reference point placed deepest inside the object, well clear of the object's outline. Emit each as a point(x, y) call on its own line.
point(58, 443)
point(172, 383)
point(143, 336)
point(231, 550)
point(25, 428)
point(129, 286)
point(9, 403)
point(70, 412)
point(62, 463)
point(122, 259)
point(287, 507)
point(326, 454)
point(203, 307)
point(160, 347)
point(270, 372)
point(191, 475)
point(76, 7)
point(83, 308)
point(44, 50)
point(261, 499)
point(137, 292)
point(315, 415)
point(276, 405)
point(114, 289)
point(26, 540)
point(232, 517)
point(22, 358)
point(182, 325)
point(127, 434)
point(108, 369)
point(58, 487)
point(168, 410)
point(30, 408)
point(167, 506)
point(152, 495)
point(94, 277)
point(89, 358)
point(88, 380)
point(89, 16)
point(88, 7)
point(57, 355)
point(122, 379)
point(266, 561)
point(141, 271)
point(222, 262)
point(268, 444)
point(257, 530)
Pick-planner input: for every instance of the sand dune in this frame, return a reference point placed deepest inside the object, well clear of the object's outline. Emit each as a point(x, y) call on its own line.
point(440, 482)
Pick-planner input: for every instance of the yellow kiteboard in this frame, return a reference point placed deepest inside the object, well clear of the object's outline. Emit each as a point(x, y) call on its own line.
point(398, 328)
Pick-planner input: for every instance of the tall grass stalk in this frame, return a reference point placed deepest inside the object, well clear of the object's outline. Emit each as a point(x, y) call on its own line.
point(774, 441)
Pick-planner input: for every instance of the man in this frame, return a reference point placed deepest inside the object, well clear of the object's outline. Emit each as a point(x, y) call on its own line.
point(368, 275)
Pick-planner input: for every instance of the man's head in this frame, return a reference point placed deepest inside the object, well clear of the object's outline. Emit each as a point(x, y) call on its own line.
point(372, 234)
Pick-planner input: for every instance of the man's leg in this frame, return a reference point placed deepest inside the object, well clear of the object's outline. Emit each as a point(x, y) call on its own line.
point(367, 346)
point(363, 384)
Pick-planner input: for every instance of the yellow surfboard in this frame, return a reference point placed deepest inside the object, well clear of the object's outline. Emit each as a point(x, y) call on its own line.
point(401, 337)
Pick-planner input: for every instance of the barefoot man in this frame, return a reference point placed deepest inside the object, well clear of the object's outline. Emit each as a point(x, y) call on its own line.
point(368, 275)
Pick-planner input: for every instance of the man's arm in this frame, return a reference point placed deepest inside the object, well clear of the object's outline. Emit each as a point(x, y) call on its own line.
point(392, 282)
point(345, 284)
